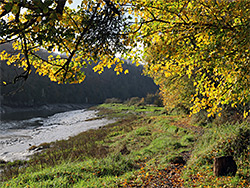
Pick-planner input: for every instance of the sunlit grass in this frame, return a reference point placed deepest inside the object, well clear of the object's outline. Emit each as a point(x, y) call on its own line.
point(154, 141)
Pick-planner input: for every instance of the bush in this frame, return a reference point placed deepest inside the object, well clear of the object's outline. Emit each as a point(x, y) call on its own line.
point(201, 118)
point(113, 100)
point(133, 101)
point(154, 99)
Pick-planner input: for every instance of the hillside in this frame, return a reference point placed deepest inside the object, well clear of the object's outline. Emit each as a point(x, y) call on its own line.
point(95, 89)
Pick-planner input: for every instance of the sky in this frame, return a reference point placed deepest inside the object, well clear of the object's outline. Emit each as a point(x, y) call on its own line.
point(74, 4)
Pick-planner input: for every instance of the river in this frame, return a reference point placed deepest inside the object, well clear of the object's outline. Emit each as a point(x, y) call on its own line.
point(19, 130)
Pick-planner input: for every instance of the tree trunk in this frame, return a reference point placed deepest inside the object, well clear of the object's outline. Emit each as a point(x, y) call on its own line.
point(225, 166)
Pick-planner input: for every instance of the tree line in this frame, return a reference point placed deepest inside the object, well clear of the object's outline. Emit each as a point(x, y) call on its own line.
point(95, 89)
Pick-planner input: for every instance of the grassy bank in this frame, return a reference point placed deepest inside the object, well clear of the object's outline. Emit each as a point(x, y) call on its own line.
point(145, 147)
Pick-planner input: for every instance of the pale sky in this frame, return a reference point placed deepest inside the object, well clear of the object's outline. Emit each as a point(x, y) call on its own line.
point(74, 4)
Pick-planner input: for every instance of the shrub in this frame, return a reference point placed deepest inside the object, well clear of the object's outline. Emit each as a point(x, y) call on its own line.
point(154, 99)
point(133, 101)
point(113, 100)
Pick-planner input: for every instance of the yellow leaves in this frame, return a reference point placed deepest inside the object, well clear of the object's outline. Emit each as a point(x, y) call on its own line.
point(16, 45)
point(39, 18)
point(70, 1)
point(108, 62)
point(4, 55)
point(155, 69)
point(1, 8)
point(36, 28)
point(167, 74)
point(118, 69)
point(233, 105)
point(11, 17)
point(209, 55)
point(246, 114)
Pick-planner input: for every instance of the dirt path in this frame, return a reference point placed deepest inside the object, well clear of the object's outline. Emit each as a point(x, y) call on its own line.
point(170, 177)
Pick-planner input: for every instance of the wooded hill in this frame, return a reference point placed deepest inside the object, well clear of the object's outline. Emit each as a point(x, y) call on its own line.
point(37, 90)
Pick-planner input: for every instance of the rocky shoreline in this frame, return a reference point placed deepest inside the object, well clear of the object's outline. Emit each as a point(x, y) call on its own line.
point(15, 145)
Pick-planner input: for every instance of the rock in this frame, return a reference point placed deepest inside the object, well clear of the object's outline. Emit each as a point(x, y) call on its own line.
point(2, 161)
point(32, 148)
point(224, 166)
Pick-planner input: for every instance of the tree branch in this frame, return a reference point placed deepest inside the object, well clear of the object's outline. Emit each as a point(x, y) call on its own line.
point(60, 6)
point(66, 65)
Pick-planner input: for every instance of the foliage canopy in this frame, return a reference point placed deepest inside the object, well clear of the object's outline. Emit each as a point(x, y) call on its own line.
point(200, 51)
point(197, 51)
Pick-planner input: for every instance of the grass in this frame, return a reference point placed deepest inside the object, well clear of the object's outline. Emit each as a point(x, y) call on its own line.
point(153, 143)
point(224, 140)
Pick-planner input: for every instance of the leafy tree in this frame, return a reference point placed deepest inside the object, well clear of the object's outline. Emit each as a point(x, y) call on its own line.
point(94, 30)
point(205, 43)
point(174, 89)
point(202, 43)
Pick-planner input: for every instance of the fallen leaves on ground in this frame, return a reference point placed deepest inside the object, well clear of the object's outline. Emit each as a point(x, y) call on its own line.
point(152, 177)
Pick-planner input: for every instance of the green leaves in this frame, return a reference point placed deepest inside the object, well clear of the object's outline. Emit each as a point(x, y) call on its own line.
point(8, 7)
point(15, 9)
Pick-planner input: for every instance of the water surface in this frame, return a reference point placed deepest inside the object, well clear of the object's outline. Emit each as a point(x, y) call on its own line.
point(20, 130)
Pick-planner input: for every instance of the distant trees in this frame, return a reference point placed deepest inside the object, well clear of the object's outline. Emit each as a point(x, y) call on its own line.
point(95, 88)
